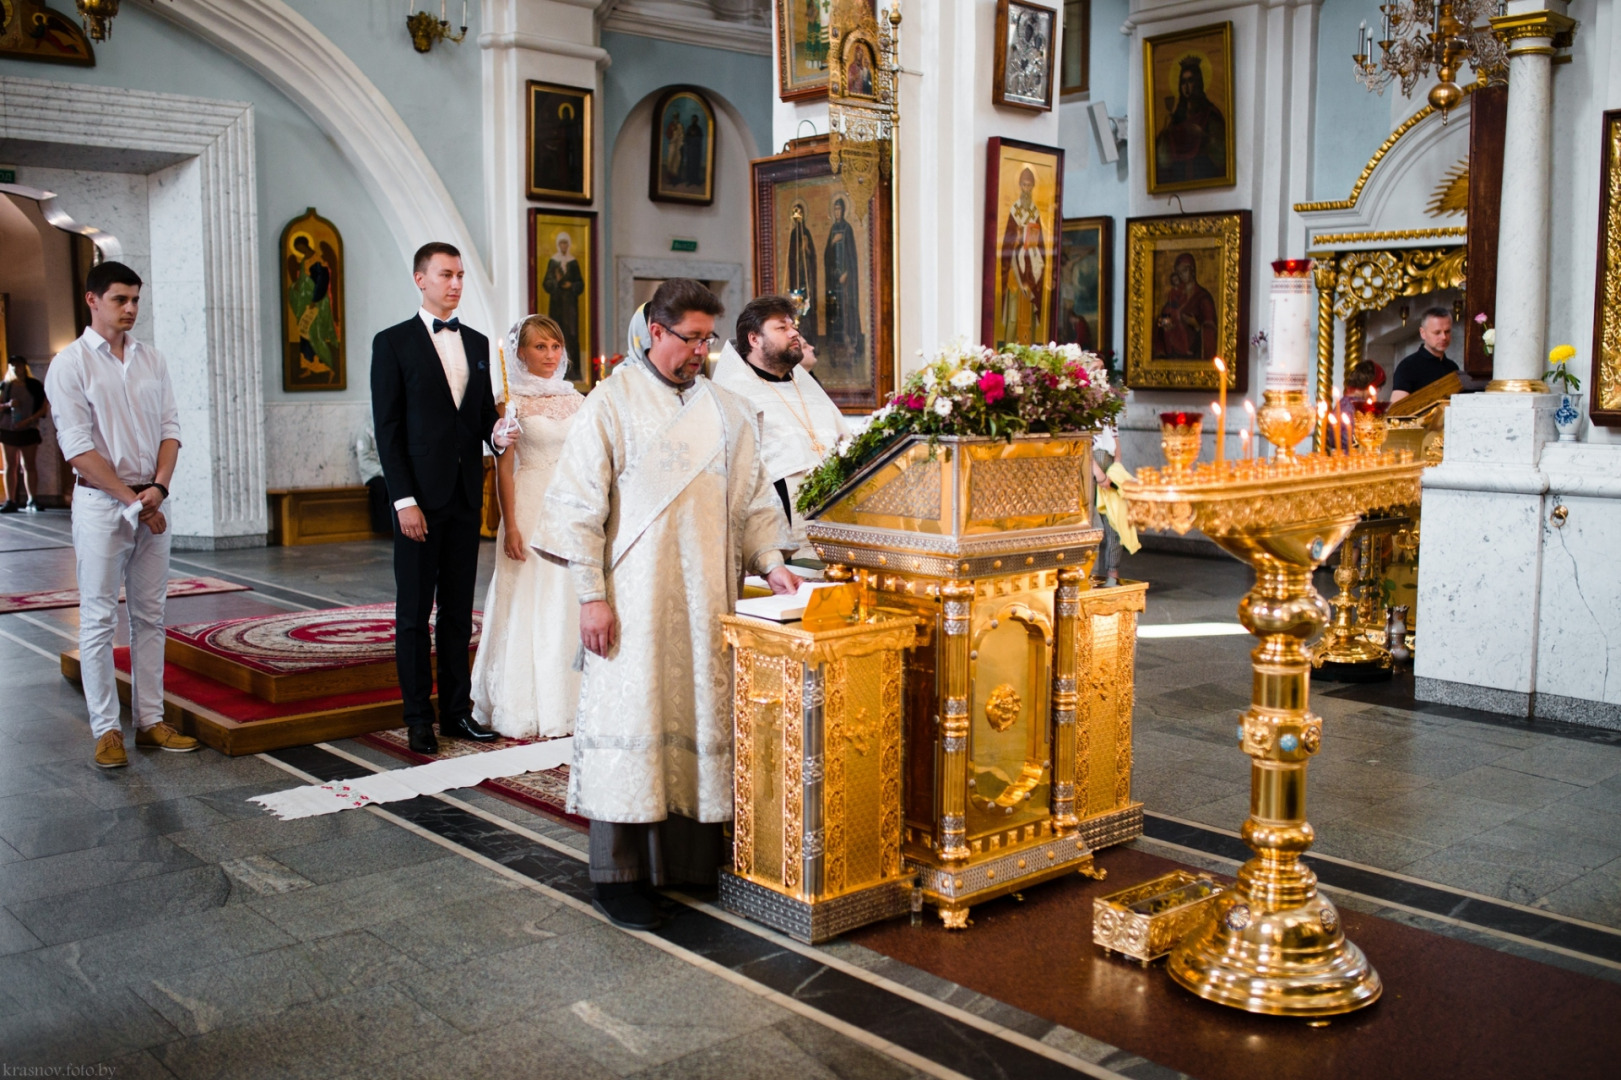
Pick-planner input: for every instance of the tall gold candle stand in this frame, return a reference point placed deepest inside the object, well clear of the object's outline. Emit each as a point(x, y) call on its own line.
point(1272, 944)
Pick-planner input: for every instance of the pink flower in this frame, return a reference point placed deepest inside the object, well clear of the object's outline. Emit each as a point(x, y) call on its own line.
point(916, 401)
point(1481, 318)
point(992, 386)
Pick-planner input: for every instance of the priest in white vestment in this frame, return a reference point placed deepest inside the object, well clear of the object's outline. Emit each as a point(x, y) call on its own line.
point(799, 424)
point(659, 506)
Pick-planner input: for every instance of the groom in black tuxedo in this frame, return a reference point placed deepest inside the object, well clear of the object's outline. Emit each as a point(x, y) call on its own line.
point(434, 409)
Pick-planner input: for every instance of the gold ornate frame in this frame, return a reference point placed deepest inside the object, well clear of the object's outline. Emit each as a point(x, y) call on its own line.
point(1146, 235)
point(1604, 382)
point(1229, 176)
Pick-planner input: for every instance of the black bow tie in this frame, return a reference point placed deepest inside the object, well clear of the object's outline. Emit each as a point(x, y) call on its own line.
point(454, 325)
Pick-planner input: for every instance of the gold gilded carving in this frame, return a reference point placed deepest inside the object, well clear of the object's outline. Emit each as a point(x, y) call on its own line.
point(743, 763)
point(1606, 377)
point(793, 754)
point(1028, 487)
point(889, 763)
point(1236, 508)
point(1373, 163)
point(1002, 707)
point(914, 493)
point(1440, 232)
point(1367, 282)
point(835, 720)
point(1124, 692)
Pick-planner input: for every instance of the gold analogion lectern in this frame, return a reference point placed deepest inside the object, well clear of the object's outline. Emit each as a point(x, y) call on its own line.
point(817, 775)
point(1018, 695)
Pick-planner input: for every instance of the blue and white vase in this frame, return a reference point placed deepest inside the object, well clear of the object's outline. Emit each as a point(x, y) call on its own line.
point(1568, 417)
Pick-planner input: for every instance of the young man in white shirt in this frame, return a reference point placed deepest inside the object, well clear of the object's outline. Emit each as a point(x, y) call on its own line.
point(118, 426)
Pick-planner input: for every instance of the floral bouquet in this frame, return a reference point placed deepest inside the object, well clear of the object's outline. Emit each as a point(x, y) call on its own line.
point(1560, 356)
point(974, 391)
point(1488, 332)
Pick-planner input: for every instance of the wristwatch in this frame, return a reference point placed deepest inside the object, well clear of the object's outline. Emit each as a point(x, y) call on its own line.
point(162, 489)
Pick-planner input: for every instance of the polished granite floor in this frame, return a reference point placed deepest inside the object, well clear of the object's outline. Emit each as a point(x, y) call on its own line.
point(153, 920)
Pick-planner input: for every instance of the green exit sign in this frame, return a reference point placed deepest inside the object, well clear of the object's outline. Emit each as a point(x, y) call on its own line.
point(9, 176)
point(682, 244)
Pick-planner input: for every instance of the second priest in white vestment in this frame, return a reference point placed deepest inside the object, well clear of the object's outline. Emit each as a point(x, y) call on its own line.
point(659, 505)
point(799, 424)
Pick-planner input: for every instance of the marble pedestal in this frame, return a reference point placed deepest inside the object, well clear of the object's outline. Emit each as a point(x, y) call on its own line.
point(1522, 606)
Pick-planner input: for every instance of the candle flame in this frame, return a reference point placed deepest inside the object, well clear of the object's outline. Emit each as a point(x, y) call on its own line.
point(1221, 365)
point(1214, 407)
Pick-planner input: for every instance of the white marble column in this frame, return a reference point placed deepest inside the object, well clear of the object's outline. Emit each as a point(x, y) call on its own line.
point(1486, 505)
point(1522, 260)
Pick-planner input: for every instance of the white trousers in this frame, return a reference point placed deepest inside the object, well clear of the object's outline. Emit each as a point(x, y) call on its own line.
point(111, 554)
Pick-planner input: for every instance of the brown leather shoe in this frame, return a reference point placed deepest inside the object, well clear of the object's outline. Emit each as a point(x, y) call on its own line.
point(110, 751)
point(164, 737)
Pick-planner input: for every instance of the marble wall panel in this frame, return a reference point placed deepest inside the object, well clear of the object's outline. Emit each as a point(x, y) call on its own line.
point(311, 444)
point(1579, 646)
point(177, 305)
point(1477, 588)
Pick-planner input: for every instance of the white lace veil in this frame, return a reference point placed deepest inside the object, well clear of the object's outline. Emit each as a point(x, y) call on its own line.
point(524, 383)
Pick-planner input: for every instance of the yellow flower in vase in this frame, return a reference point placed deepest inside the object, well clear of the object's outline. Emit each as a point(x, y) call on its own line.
point(1560, 356)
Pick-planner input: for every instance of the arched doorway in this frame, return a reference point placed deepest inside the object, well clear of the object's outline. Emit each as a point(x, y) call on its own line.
point(643, 232)
point(43, 255)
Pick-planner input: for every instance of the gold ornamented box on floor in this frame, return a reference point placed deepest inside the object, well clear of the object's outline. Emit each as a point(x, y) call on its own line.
point(1017, 736)
point(1146, 920)
point(817, 780)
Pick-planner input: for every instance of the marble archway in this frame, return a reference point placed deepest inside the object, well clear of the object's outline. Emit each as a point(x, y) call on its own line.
point(278, 43)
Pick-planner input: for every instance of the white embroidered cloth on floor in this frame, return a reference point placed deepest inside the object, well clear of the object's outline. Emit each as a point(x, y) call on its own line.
point(394, 785)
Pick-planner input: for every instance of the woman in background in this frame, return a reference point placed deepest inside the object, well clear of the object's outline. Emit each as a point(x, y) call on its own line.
point(524, 682)
point(22, 405)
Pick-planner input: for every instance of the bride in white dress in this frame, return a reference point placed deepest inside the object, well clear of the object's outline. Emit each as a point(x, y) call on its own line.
point(524, 683)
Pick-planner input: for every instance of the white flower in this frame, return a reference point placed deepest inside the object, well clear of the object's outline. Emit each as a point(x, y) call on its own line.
point(1011, 376)
point(882, 414)
point(1066, 383)
point(843, 445)
point(1489, 337)
point(942, 406)
point(964, 379)
point(928, 379)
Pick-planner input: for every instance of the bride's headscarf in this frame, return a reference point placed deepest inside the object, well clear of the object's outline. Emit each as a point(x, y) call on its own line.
point(524, 383)
point(640, 337)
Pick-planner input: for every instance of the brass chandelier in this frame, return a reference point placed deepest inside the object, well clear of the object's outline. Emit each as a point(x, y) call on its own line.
point(1419, 35)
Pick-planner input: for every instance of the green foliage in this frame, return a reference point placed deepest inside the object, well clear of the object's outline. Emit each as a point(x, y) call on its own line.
point(973, 391)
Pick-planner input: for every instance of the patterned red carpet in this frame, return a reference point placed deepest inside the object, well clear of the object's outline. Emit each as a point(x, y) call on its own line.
point(61, 598)
point(302, 641)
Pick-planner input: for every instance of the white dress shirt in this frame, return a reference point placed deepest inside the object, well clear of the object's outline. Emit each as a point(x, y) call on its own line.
point(448, 344)
point(453, 357)
point(122, 409)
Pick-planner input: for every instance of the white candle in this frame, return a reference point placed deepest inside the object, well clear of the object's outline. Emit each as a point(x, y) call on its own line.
point(1290, 341)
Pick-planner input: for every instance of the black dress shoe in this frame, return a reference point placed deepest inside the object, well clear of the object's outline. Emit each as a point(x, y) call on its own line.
point(463, 727)
point(422, 740)
point(625, 905)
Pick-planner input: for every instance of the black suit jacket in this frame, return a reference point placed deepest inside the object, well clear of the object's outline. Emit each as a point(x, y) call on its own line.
point(423, 440)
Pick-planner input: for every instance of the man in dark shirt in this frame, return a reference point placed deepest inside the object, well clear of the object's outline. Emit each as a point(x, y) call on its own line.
point(1429, 361)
